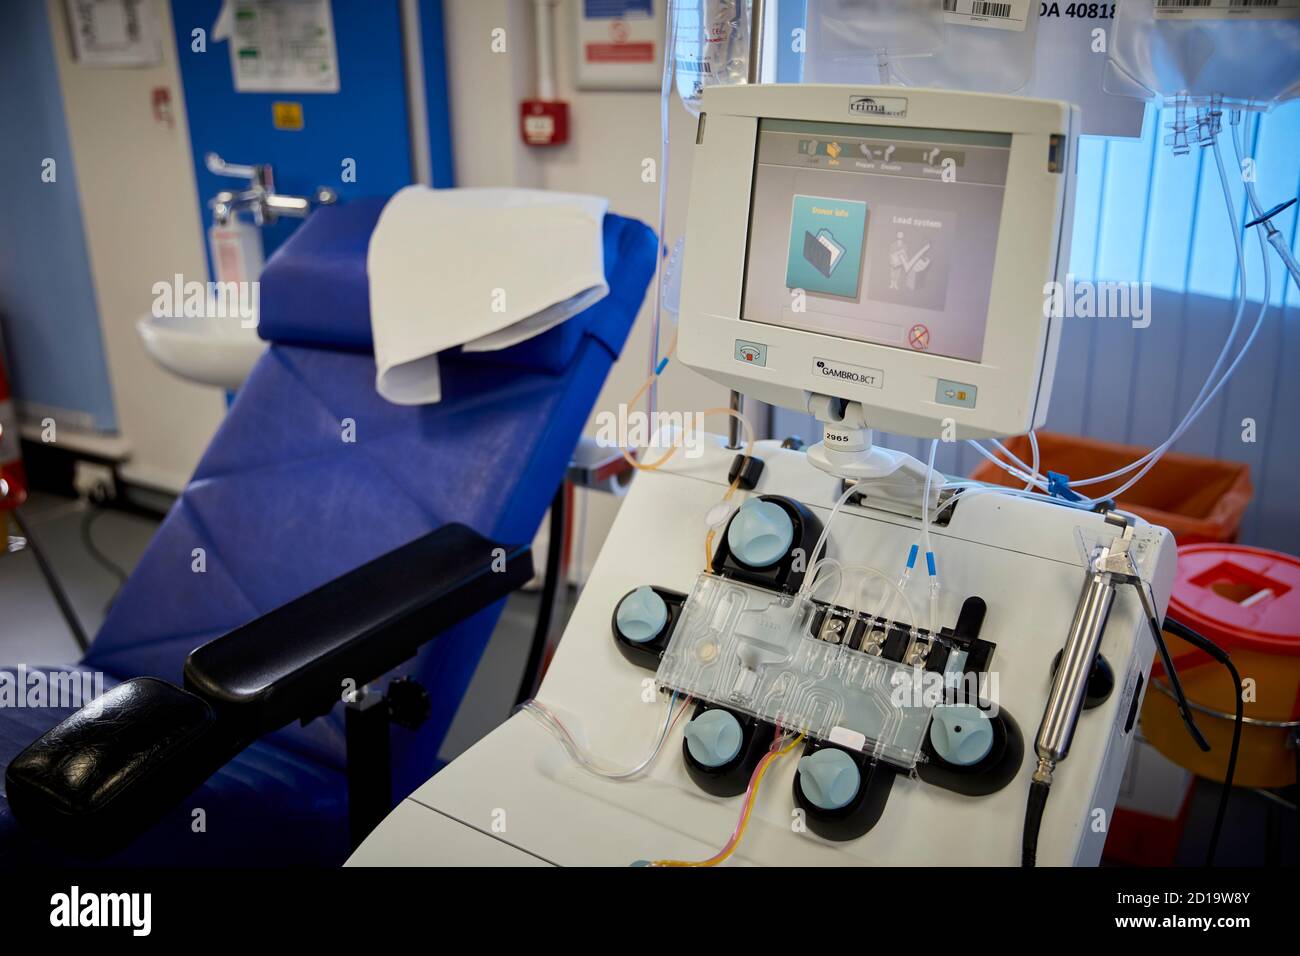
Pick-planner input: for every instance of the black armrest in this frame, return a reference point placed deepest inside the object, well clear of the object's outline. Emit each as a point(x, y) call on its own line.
point(291, 663)
point(115, 766)
point(106, 773)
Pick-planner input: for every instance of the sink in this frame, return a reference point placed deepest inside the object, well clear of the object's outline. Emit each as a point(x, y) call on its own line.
point(209, 351)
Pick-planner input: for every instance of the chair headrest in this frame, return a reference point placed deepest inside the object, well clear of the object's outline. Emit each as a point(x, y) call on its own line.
point(315, 291)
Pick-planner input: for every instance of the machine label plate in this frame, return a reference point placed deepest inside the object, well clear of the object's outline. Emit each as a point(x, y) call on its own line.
point(824, 368)
point(860, 104)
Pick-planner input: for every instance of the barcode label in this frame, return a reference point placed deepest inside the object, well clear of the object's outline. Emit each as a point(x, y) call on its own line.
point(1227, 9)
point(1007, 15)
point(697, 67)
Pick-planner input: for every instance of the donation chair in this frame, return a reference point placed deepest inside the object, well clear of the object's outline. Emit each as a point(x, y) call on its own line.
point(329, 541)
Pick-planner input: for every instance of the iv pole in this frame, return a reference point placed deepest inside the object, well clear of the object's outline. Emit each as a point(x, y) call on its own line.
point(757, 25)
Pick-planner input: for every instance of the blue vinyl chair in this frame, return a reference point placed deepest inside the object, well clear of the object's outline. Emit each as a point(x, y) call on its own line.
point(312, 475)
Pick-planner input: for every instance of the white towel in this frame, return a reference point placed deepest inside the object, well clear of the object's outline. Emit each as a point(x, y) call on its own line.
point(481, 268)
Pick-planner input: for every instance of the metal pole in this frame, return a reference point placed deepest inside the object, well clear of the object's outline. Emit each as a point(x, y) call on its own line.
point(417, 109)
point(554, 580)
point(369, 763)
point(757, 22)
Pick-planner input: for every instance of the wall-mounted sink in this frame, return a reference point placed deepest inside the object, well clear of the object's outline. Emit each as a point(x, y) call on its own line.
point(209, 351)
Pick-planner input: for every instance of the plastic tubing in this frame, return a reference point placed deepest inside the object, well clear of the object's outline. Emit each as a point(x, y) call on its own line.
point(1030, 471)
point(867, 573)
point(665, 94)
point(1198, 403)
point(925, 541)
point(925, 498)
point(583, 758)
point(821, 540)
point(1019, 470)
point(892, 585)
point(974, 488)
point(781, 746)
point(1275, 237)
point(1033, 444)
point(1208, 390)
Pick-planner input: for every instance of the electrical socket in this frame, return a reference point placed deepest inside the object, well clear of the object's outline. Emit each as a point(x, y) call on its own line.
point(93, 481)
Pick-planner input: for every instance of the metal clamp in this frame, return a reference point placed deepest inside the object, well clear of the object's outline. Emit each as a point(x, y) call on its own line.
point(1111, 565)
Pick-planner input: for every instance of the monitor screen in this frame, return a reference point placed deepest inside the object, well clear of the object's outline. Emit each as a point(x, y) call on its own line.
point(890, 233)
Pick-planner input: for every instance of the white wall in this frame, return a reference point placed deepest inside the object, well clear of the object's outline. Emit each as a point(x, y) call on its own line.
point(137, 187)
point(611, 133)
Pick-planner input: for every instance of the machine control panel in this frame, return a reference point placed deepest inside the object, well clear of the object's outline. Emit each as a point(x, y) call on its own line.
point(873, 696)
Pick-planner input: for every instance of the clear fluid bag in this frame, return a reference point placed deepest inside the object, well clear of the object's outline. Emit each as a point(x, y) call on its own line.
point(1215, 52)
point(710, 47)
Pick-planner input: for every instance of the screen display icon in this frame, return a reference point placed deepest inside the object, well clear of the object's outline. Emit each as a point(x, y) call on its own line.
point(825, 248)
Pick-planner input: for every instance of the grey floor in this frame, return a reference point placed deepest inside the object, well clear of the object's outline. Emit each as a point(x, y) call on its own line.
point(32, 631)
point(1257, 830)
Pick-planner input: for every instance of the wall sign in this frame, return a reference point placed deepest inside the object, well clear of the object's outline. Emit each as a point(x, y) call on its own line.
point(619, 44)
point(114, 33)
point(280, 46)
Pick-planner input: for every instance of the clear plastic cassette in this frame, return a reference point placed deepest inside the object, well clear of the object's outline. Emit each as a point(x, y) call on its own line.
point(788, 659)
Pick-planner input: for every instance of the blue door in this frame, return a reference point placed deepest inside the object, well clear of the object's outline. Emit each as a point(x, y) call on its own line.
point(314, 139)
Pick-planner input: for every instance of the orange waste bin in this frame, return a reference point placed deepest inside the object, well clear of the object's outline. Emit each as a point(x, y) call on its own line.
point(1198, 499)
point(1246, 600)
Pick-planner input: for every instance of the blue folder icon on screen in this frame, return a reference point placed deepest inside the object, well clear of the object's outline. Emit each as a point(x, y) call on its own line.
point(822, 251)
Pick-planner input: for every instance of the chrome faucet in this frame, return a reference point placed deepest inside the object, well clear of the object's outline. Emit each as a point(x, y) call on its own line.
point(260, 198)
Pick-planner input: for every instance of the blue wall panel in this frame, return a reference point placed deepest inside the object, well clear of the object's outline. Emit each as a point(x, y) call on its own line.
point(47, 295)
point(365, 121)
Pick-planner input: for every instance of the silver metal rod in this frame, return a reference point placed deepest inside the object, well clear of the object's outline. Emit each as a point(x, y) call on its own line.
point(733, 423)
point(417, 109)
point(1070, 685)
point(757, 22)
point(757, 25)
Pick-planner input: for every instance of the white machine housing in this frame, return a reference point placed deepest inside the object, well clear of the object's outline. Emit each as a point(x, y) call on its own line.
point(1012, 381)
point(517, 798)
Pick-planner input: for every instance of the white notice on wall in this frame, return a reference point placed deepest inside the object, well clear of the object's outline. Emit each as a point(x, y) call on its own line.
point(280, 46)
point(113, 33)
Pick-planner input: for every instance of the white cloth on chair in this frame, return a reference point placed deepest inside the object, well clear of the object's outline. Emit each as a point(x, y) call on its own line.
point(479, 268)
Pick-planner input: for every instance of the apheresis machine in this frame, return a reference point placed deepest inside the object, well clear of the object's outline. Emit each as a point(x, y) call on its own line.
point(837, 655)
